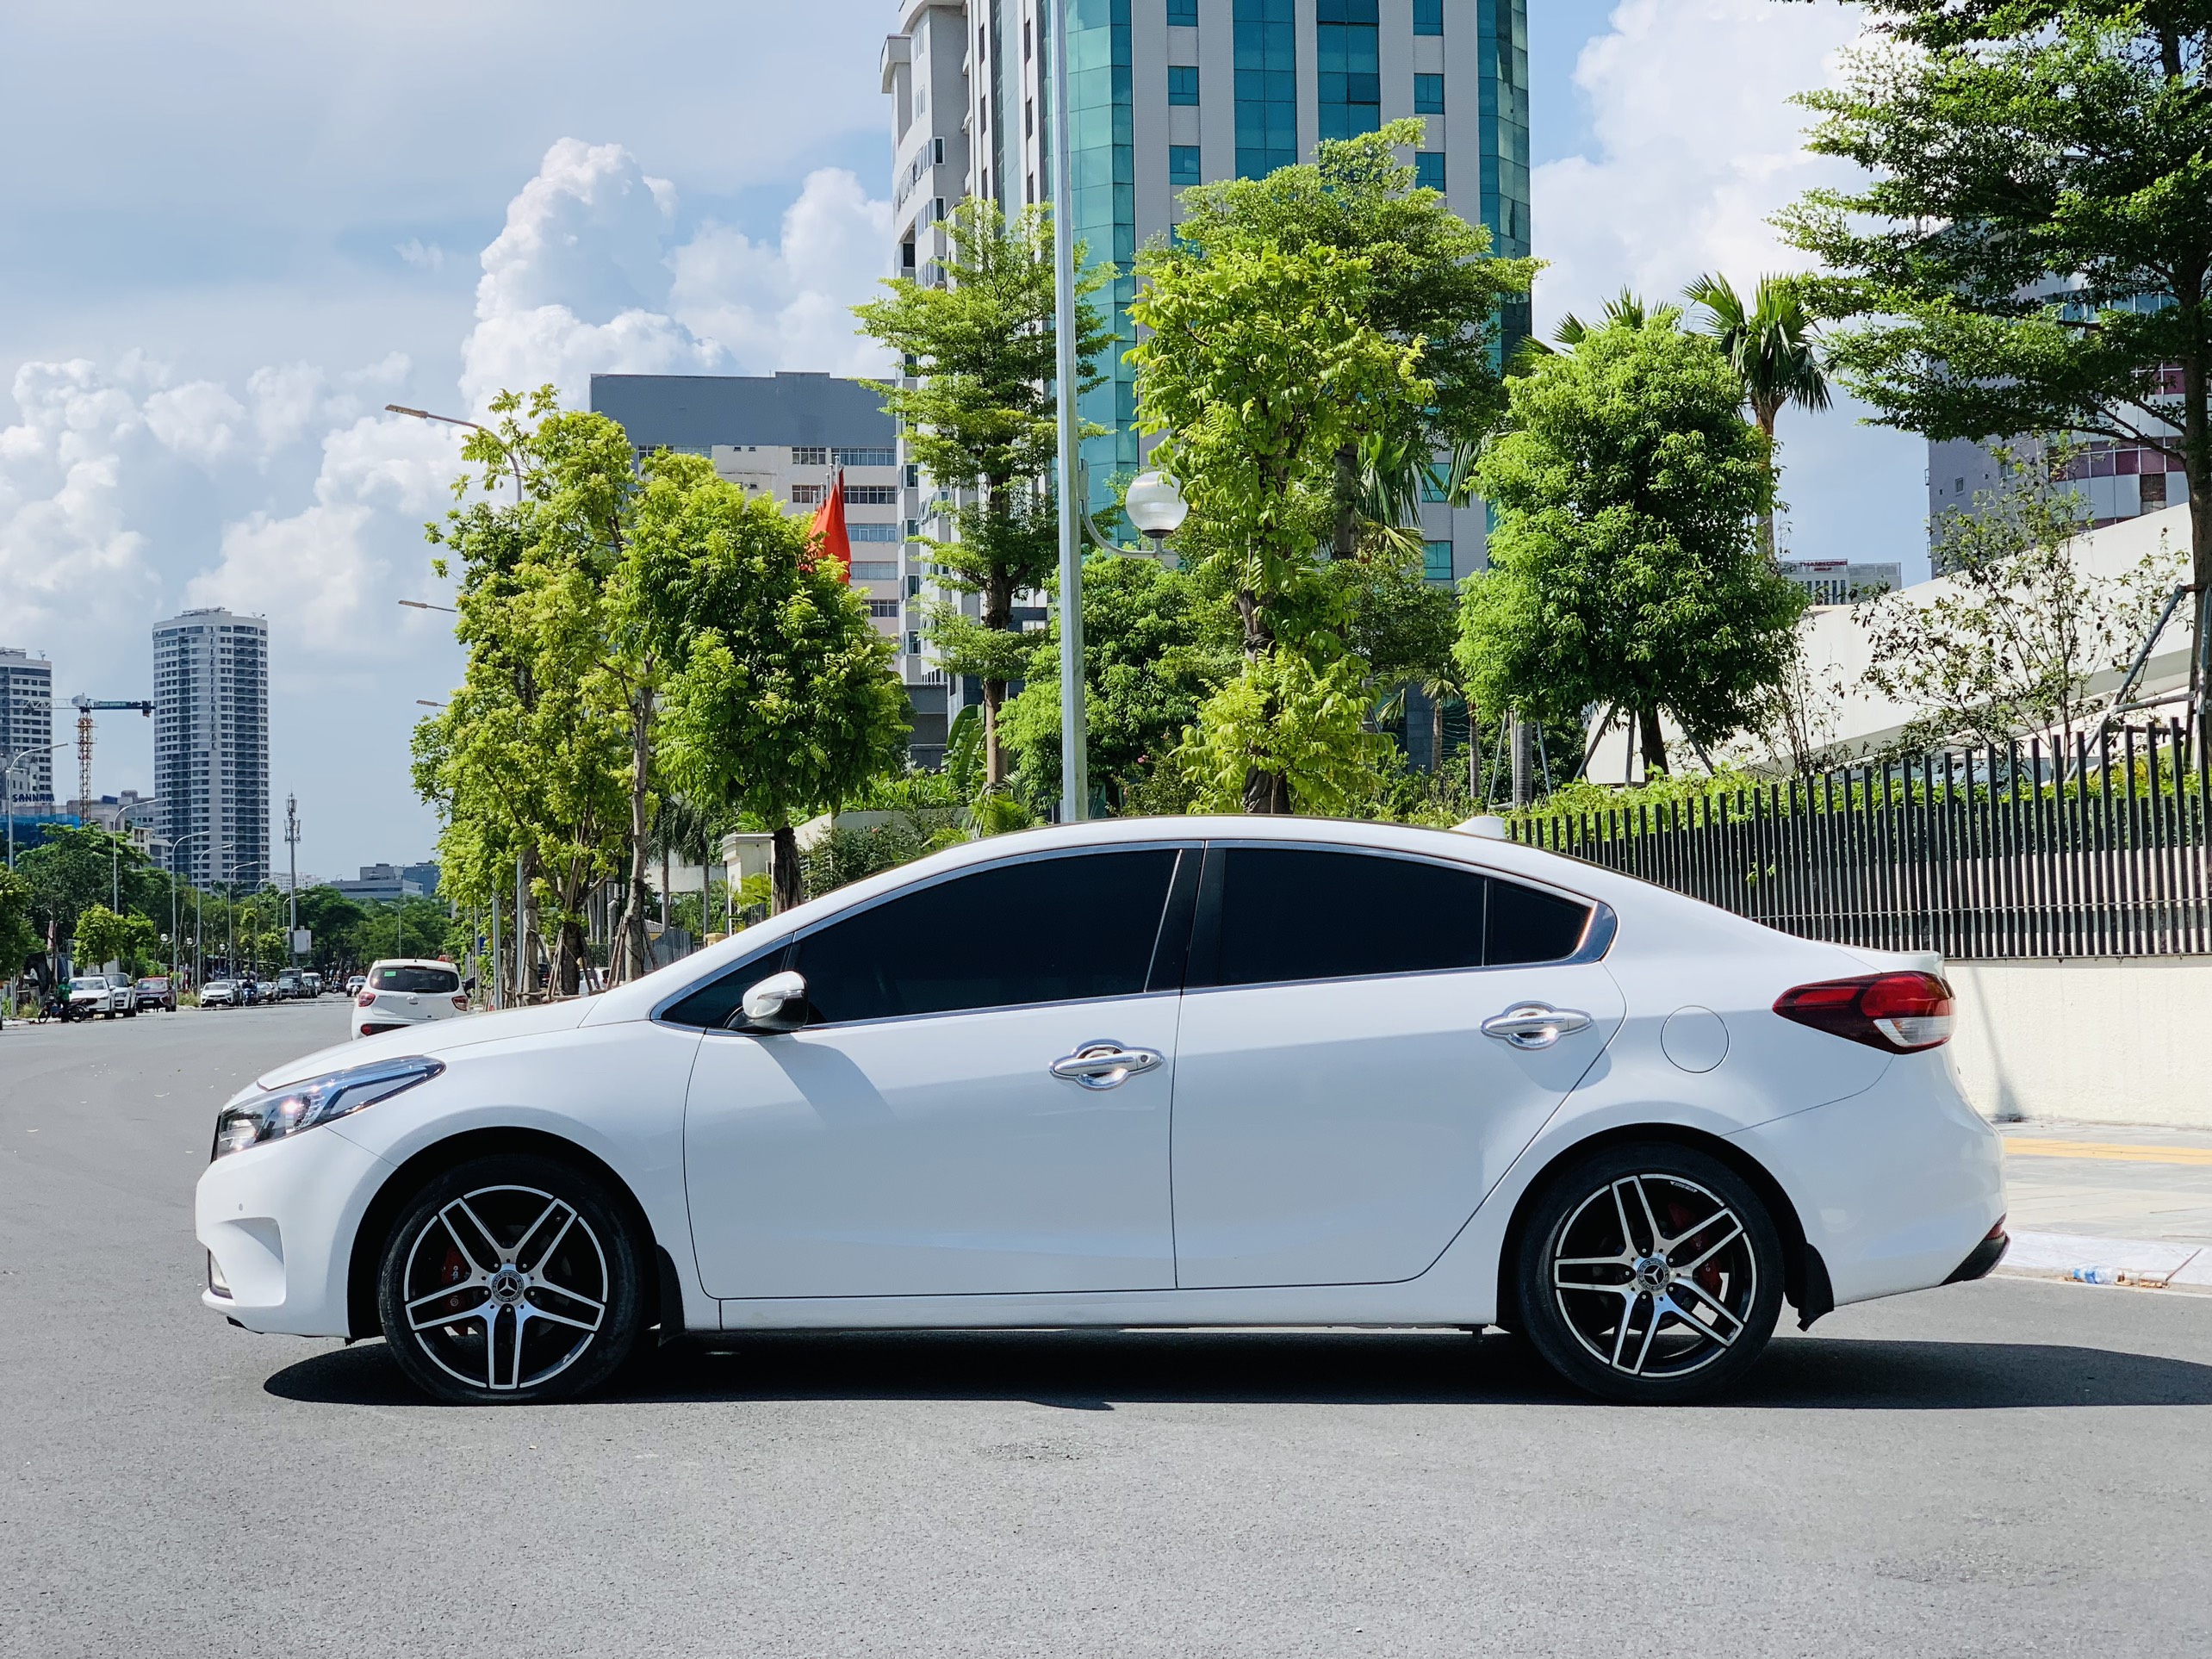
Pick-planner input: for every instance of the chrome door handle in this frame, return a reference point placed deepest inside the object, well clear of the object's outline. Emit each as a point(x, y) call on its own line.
point(1104, 1065)
point(1534, 1025)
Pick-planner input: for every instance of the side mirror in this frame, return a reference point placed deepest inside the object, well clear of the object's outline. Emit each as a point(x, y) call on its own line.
point(776, 1004)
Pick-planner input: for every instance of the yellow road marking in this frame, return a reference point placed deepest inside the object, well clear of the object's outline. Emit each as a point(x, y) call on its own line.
point(2104, 1151)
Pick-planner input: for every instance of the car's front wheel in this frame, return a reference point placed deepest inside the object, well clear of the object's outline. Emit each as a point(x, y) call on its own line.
point(1650, 1273)
point(512, 1279)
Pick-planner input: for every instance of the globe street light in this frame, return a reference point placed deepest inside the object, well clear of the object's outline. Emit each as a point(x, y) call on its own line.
point(1155, 505)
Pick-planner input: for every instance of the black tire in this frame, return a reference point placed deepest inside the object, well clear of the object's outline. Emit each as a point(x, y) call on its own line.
point(1662, 1316)
point(527, 1323)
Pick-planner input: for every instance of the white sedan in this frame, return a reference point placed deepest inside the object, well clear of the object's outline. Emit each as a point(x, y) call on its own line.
point(1150, 1073)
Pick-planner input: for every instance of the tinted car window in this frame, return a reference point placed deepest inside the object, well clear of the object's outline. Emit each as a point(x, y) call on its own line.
point(420, 980)
point(1527, 925)
point(713, 1003)
point(1044, 930)
point(1288, 913)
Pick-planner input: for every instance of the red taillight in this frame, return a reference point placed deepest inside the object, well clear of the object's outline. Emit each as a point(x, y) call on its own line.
point(461, 1003)
point(1902, 1013)
point(366, 999)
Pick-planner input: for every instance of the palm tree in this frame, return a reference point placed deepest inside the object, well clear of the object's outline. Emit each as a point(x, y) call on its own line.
point(1626, 309)
point(1775, 348)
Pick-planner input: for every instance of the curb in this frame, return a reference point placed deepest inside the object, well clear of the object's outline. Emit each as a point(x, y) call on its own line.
point(2140, 1263)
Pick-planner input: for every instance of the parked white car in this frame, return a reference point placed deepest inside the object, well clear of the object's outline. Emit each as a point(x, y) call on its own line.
point(105, 995)
point(401, 992)
point(1401, 1076)
point(219, 993)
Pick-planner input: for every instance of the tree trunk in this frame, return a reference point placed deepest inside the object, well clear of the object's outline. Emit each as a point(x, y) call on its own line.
point(668, 899)
point(998, 613)
point(1263, 791)
point(1655, 744)
point(1344, 540)
point(572, 956)
point(1436, 733)
point(626, 950)
point(1767, 517)
point(785, 879)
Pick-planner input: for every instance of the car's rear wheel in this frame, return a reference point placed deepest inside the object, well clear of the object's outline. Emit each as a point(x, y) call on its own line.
point(512, 1279)
point(1650, 1273)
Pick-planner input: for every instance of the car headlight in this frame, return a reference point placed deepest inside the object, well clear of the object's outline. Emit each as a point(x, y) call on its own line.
point(302, 1105)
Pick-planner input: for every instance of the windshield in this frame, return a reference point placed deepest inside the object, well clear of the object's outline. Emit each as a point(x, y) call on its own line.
point(89, 982)
point(431, 981)
point(153, 984)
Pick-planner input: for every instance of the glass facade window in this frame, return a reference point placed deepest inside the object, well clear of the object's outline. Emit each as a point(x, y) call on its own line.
point(1183, 14)
point(1266, 58)
point(1428, 17)
point(1436, 561)
point(1348, 65)
point(1501, 27)
point(1428, 94)
point(1103, 169)
point(1182, 168)
point(1428, 169)
point(1183, 83)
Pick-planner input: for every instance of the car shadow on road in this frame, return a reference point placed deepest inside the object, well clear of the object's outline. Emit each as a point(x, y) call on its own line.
point(1092, 1370)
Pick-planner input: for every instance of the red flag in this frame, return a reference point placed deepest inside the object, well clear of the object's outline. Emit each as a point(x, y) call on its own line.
point(829, 526)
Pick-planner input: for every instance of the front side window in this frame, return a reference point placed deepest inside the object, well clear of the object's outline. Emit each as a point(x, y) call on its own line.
point(1080, 926)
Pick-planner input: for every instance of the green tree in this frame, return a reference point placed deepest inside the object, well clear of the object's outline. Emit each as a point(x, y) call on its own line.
point(1259, 366)
point(786, 701)
point(18, 938)
point(1406, 628)
point(978, 414)
point(2033, 250)
point(1155, 648)
point(1774, 347)
point(103, 936)
point(2010, 646)
point(1431, 283)
point(77, 865)
point(1624, 573)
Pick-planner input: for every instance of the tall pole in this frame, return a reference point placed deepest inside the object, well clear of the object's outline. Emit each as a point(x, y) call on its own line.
point(1075, 761)
point(292, 842)
point(521, 938)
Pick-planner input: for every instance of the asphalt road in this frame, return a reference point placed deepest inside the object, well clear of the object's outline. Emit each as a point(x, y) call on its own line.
point(2004, 1469)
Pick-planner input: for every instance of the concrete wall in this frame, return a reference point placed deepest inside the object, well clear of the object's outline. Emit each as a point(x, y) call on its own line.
point(2106, 1040)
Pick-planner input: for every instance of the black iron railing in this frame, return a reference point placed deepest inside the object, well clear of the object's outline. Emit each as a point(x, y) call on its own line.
point(2092, 847)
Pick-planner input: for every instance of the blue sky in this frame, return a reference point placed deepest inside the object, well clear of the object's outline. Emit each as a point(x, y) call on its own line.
point(234, 232)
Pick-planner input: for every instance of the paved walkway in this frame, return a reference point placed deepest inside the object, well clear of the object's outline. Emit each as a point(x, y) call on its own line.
point(2136, 1203)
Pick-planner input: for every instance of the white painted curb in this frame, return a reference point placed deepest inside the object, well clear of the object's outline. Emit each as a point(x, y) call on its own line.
point(2144, 1263)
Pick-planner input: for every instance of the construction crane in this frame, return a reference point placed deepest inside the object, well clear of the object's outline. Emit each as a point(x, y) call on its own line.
point(84, 705)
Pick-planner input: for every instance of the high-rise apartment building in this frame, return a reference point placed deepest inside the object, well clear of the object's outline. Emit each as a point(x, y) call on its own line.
point(211, 746)
point(1165, 94)
point(788, 435)
point(27, 725)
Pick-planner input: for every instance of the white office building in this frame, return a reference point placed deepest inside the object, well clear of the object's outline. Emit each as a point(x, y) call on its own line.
point(27, 725)
point(211, 746)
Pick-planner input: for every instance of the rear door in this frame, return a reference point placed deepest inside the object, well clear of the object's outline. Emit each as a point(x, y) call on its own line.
point(1340, 1110)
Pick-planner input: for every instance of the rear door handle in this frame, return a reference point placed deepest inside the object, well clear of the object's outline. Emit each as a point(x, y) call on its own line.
point(1534, 1025)
point(1104, 1065)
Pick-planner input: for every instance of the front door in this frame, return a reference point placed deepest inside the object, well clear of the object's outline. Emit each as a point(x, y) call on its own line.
point(1339, 1111)
point(954, 1121)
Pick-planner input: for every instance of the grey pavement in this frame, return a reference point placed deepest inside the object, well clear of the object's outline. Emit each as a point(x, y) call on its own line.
point(2009, 1468)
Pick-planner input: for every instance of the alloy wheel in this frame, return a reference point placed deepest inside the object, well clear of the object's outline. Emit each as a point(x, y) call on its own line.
point(1655, 1276)
point(506, 1288)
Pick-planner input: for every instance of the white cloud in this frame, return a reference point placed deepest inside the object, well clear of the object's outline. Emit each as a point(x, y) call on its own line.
point(1697, 145)
point(788, 304)
point(200, 420)
point(421, 255)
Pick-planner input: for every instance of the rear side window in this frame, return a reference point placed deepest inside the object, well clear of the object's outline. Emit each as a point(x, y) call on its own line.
point(1529, 925)
point(1043, 930)
point(1292, 913)
point(418, 981)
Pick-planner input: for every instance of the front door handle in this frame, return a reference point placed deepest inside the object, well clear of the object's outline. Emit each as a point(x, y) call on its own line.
point(1534, 1025)
point(1104, 1065)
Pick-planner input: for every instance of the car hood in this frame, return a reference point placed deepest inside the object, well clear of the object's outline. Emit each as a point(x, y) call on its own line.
point(431, 1037)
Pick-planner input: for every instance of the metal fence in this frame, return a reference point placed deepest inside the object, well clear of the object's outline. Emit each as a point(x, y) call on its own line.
point(2097, 847)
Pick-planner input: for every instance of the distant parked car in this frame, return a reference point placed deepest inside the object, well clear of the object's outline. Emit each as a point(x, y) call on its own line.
point(290, 984)
point(159, 993)
point(94, 993)
point(218, 993)
point(407, 991)
point(353, 983)
point(311, 984)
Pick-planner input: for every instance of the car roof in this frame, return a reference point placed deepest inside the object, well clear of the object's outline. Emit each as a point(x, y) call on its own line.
point(412, 961)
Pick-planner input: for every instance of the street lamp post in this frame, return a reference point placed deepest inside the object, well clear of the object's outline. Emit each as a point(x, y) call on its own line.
point(456, 421)
point(1075, 764)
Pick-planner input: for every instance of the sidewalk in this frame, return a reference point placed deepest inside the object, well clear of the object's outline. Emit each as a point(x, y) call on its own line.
point(2136, 1202)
